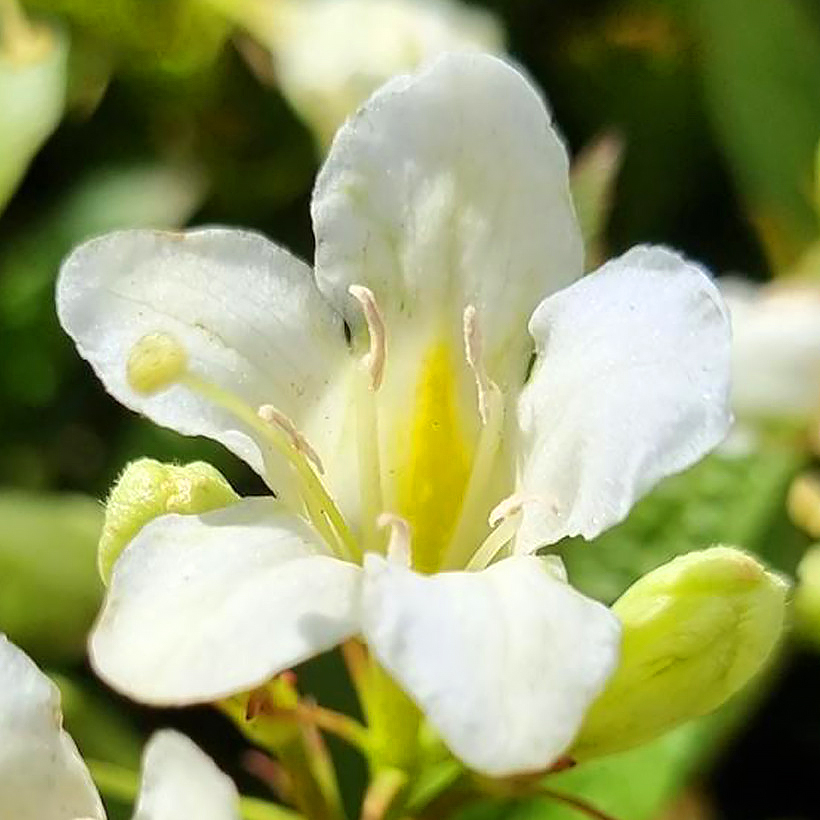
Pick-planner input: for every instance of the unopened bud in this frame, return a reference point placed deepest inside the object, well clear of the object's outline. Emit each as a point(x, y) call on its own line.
point(694, 632)
point(155, 362)
point(147, 489)
point(803, 503)
point(807, 596)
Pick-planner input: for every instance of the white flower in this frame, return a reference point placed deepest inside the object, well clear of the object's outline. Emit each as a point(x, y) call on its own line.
point(330, 55)
point(400, 377)
point(775, 349)
point(43, 777)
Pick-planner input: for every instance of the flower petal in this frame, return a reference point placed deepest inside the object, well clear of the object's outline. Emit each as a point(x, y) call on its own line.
point(329, 56)
point(449, 188)
point(42, 776)
point(180, 780)
point(504, 662)
point(630, 385)
point(775, 349)
point(204, 606)
point(247, 313)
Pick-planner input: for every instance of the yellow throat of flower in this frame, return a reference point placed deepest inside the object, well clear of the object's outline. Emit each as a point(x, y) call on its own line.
point(436, 452)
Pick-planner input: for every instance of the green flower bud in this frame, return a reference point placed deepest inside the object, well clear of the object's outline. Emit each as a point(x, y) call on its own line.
point(694, 632)
point(147, 489)
point(807, 595)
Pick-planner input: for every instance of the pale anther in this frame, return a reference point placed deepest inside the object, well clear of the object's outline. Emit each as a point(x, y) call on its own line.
point(270, 414)
point(374, 360)
point(155, 362)
point(398, 547)
point(473, 352)
point(509, 506)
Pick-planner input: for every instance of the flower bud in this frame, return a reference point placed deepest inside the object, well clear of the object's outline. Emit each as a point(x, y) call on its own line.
point(807, 596)
point(147, 489)
point(155, 362)
point(694, 632)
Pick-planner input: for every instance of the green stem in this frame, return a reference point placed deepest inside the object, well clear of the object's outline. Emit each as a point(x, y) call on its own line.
point(393, 720)
point(123, 785)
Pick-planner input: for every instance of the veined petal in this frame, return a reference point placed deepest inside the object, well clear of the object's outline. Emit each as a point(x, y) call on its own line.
point(449, 188)
point(42, 776)
point(630, 385)
point(246, 312)
point(775, 349)
point(201, 607)
point(503, 662)
point(179, 781)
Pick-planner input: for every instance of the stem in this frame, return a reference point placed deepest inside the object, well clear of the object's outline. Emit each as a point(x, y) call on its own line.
point(576, 803)
point(123, 785)
point(347, 728)
point(382, 794)
point(354, 655)
point(393, 720)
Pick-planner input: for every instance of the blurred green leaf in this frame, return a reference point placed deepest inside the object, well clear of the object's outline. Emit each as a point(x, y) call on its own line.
point(50, 590)
point(99, 728)
point(170, 37)
point(739, 501)
point(32, 96)
point(760, 63)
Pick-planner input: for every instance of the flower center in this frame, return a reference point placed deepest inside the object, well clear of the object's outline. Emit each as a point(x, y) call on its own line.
point(442, 476)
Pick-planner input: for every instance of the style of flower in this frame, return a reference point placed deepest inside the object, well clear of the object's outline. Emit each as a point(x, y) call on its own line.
point(400, 377)
point(43, 777)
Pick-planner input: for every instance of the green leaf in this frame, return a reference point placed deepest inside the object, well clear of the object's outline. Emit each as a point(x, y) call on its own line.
point(50, 589)
point(760, 64)
point(99, 728)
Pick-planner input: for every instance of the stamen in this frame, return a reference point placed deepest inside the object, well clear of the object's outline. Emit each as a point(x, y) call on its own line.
point(321, 509)
point(509, 506)
point(157, 361)
point(473, 352)
point(270, 414)
point(375, 359)
point(491, 410)
point(366, 386)
point(496, 541)
point(398, 547)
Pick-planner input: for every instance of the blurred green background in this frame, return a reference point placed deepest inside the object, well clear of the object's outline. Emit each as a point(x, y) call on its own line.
point(161, 113)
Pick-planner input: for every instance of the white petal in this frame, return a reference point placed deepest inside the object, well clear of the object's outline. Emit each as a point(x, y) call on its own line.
point(449, 188)
point(630, 385)
point(180, 781)
point(503, 662)
point(330, 55)
point(201, 607)
point(42, 776)
point(248, 314)
point(775, 349)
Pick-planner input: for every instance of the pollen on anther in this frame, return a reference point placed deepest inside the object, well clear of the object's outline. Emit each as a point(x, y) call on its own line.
point(155, 362)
